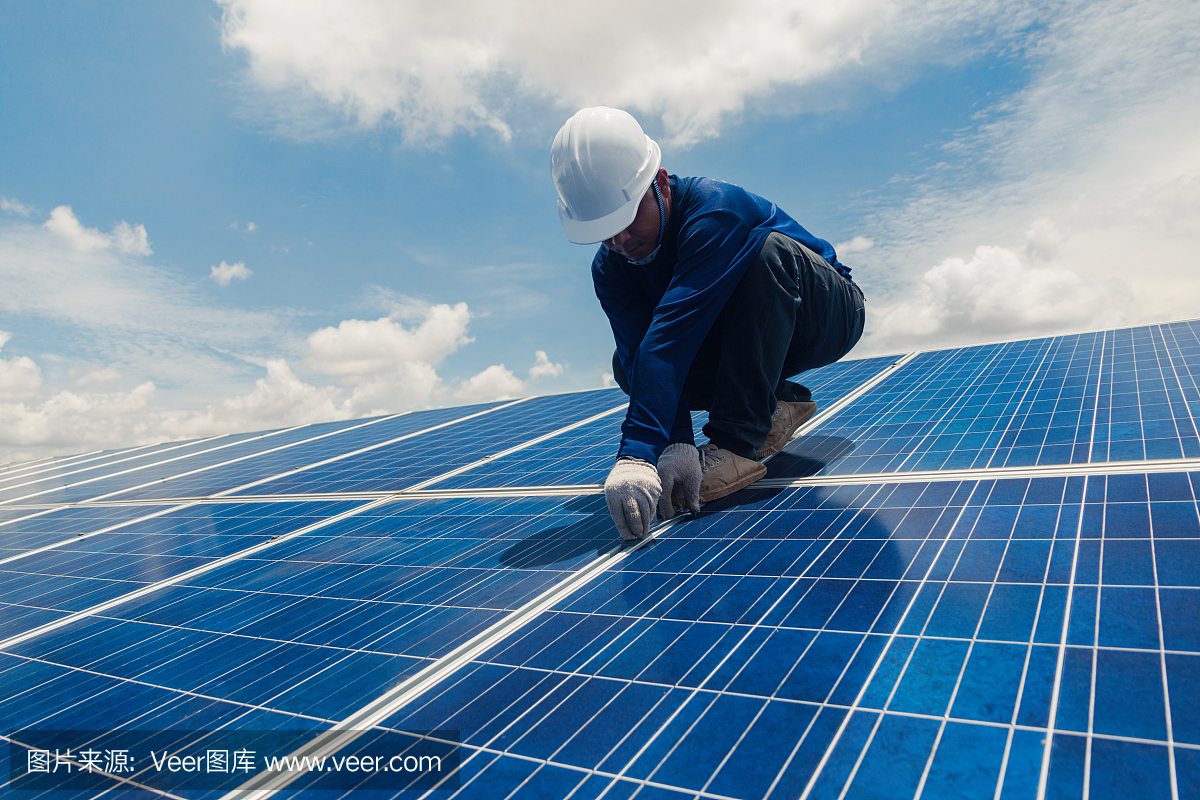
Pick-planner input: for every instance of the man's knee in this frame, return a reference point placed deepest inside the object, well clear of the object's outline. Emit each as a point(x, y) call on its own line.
point(775, 269)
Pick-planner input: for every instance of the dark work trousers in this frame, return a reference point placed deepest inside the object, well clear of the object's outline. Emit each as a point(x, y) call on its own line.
point(790, 313)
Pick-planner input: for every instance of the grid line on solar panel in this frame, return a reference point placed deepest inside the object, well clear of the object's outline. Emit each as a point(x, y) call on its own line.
point(937, 616)
point(416, 460)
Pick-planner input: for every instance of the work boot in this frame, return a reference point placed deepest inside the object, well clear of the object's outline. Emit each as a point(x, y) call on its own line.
point(784, 422)
point(723, 473)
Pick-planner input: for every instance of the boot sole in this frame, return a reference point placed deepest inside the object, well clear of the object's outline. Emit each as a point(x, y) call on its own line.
point(770, 451)
point(737, 485)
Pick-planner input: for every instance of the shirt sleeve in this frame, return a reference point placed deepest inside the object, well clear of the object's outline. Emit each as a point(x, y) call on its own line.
point(658, 344)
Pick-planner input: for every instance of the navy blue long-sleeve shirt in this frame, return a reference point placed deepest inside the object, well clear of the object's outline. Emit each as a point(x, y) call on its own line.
point(661, 312)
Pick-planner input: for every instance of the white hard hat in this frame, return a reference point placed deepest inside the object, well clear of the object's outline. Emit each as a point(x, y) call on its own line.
point(602, 164)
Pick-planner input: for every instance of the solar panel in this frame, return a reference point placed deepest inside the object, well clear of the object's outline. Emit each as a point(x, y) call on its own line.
point(975, 574)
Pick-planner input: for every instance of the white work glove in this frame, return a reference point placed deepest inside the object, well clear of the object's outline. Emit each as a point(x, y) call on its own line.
point(679, 471)
point(632, 489)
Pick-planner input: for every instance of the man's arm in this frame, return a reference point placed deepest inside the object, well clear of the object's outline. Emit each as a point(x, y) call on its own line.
point(713, 252)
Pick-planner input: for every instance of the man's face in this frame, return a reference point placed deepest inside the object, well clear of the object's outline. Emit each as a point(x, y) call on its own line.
point(641, 237)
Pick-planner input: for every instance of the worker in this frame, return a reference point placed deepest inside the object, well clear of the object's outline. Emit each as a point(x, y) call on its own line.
point(715, 296)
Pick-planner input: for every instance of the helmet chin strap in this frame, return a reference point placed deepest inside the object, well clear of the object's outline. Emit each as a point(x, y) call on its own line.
point(662, 227)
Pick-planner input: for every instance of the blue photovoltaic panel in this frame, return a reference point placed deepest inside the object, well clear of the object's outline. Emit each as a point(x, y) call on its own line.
point(156, 477)
point(11, 465)
point(72, 464)
point(227, 476)
point(41, 486)
point(40, 587)
point(585, 455)
point(49, 696)
point(410, 578)
point(407, 463)
point(318, 625)
point(159, 476)
point(1115, 395)
point(14, 472)
point(882, 640)
point(27, 529)
point(725, 657)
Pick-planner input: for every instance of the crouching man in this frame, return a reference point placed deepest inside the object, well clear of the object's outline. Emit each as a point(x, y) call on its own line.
point(715, 296)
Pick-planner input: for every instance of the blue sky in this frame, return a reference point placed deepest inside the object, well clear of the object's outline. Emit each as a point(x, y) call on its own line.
point(994, 170)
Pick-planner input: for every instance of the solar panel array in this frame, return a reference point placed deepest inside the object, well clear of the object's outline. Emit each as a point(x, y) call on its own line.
point(976, 573)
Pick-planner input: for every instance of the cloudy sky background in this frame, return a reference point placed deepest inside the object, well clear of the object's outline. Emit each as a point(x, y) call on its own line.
point(242, 215)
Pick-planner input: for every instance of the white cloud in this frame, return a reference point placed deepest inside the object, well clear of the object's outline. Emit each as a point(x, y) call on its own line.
point(249, 227)
point(391, 362)
point(131, 240)
point(543, 367)
point(497, 382)
point(71, 421)
point(278, 400)
point(7, 204)
point(360, 348)
point(997, 295)
point(856, 245)
point(124, 238)
point(1092, 182)
point(20, 377)
point(432, 68)
point(227, 273)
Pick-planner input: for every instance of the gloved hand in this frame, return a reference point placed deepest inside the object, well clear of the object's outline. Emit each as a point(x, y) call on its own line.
point(679, 471)
point(631, 490)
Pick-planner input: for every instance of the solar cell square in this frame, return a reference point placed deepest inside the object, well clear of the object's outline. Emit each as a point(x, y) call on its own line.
point(413, 461)
point(904, 631)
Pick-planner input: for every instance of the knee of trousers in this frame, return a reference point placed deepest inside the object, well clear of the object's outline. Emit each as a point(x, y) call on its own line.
point(776, 268)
